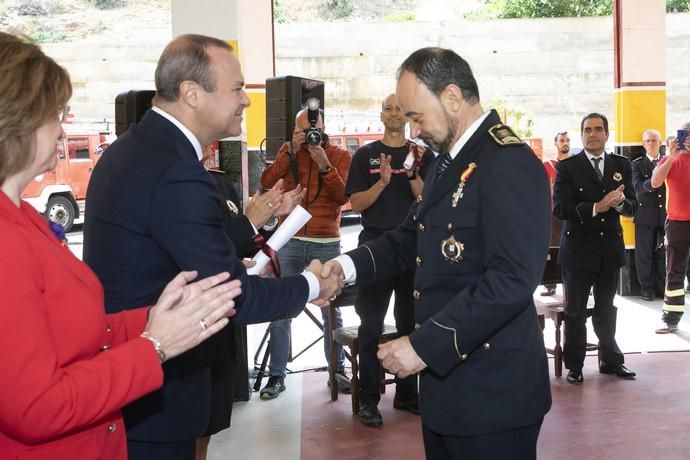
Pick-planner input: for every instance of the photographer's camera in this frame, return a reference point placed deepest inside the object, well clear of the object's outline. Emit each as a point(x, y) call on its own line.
point(313, 135)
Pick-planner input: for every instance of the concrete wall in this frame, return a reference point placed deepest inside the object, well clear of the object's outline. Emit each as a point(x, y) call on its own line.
point(558, 69)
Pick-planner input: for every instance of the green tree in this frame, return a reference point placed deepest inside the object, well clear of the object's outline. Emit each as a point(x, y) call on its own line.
point(108, 4)
point(279, 13)
point(508, 9)
point(520, 121)
point(337, 9)
point(677, 6)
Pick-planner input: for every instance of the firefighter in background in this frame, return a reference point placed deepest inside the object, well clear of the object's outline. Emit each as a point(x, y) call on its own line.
point(674, 168)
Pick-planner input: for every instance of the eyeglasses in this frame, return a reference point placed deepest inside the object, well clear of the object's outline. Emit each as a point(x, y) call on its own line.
point(62, 114)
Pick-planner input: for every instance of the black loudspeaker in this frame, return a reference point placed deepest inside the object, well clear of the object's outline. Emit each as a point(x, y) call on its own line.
point(130, 106)
point(285, 96)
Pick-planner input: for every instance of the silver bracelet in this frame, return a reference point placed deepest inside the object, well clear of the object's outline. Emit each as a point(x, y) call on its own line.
point(156, 345)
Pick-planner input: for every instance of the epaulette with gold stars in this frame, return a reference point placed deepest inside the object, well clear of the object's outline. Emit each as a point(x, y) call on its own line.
point(504, 135)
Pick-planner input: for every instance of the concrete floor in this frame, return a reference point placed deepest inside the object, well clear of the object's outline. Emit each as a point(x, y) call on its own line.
point(606, 418)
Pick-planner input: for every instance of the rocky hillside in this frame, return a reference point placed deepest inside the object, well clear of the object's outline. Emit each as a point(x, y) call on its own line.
point(56, 21)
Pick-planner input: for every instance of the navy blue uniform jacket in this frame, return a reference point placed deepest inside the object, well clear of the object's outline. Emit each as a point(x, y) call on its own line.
point(478, 332)
point(153, 211)
point(589, 243)
point(651, 201)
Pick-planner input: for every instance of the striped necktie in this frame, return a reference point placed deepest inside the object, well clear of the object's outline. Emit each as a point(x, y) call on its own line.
point(596, 168)
point(443, 164)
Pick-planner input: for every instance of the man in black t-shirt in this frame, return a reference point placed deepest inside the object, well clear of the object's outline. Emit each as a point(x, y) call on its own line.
point(382, 190)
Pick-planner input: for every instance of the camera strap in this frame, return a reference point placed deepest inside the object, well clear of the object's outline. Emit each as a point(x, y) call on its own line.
point(318, 190)
point(293, 168)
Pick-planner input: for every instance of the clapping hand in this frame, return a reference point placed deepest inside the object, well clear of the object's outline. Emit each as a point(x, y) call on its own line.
point(262, 207)
point(187, 312)
point(385, 170)
point(611, 200)
point(615, 197)
point(290, 200)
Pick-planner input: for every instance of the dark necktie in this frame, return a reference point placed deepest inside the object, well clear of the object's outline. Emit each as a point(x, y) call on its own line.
point(443, 164)
point(596, 168)
point(655, 162)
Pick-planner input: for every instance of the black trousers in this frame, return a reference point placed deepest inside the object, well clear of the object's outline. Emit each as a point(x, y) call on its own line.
point(678, 246)
point(371, 306)
point(650, 258)
point(577, 284)
point(518, 444)
point(181, 450)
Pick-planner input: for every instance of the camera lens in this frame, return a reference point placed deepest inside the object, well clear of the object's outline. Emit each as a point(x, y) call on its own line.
point(313, 137)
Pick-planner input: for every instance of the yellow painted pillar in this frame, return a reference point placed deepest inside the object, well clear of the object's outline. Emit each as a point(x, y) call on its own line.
point(640, 89)
point(248, 26)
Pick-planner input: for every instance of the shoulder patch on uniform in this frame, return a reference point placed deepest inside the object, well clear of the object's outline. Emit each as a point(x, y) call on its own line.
point(217, 171)
point(504, 135)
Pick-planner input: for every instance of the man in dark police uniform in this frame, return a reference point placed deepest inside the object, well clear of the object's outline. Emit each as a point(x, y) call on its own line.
point(478, 237)
point(592, 190)
point(650, 253)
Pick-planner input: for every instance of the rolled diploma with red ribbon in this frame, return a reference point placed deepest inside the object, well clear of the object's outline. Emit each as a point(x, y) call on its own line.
point(296, 220)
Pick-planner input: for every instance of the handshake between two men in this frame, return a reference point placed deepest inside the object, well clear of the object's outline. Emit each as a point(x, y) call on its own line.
point(397, 356)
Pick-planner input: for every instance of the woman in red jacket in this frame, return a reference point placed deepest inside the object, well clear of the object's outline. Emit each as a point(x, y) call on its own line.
point(66, 367)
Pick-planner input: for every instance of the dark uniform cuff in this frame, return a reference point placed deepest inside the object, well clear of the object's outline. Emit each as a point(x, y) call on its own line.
point(365, 265)
point(438, 346)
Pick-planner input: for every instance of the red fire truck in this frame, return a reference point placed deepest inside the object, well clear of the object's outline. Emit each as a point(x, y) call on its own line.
point(60, 194)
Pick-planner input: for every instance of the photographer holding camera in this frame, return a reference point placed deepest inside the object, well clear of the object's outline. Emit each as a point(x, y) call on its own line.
point(321, 168)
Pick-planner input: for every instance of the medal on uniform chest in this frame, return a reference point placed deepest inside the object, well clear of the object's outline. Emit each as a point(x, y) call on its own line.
point(464, 177)
point(451, 249)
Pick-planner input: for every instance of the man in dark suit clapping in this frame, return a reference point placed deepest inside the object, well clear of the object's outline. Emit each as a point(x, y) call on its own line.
point(592, 190)
point(154, 210)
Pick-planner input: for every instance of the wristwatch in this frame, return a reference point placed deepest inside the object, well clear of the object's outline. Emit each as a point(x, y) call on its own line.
point(413, 176)
point(325, 170)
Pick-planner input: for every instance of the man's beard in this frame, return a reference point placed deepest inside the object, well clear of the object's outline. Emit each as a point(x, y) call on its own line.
point(444, 145)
